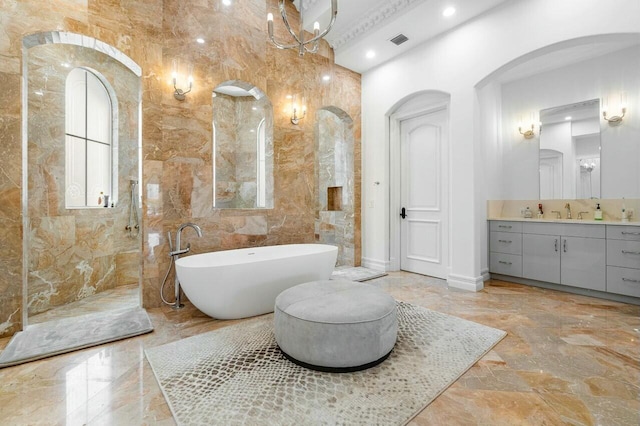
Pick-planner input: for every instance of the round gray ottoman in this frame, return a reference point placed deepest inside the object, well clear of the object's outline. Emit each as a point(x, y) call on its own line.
point(336, 326)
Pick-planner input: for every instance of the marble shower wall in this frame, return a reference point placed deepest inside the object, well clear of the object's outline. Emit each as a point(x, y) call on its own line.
point(74, 253)
point(176, 136)
point(335, 209)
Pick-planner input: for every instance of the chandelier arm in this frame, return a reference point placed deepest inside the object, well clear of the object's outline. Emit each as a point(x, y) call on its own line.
point(282, 46)
point(334, 13)
point(283, 12)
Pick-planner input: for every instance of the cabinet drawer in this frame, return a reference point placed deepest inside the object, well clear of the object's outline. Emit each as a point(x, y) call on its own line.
point(506, 264)
point(623, 281)
point(505, 242)
point(505, 226)
point(620, 232)
point(623, 253)
point(564, 229)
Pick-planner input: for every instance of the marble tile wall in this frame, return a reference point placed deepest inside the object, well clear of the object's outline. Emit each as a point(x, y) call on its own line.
point(176, 136)
point(335, 220)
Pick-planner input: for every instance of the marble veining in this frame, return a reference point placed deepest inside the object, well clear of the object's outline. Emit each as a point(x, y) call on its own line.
point(546, 371)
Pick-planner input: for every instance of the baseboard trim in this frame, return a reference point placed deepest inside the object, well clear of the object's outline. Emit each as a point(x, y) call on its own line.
point(485, 275)
point(376, 265)
point(465, 283)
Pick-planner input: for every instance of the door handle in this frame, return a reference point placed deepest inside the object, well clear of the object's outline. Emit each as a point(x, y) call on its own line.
point(403, 213)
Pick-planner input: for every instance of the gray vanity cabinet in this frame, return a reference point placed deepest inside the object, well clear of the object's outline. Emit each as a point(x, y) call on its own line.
point(623, 260)
point(583, 262)
point(568, 254)
point(541, 257)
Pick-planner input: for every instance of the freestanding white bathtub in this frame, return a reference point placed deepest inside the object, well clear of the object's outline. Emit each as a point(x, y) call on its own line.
point(245, 282)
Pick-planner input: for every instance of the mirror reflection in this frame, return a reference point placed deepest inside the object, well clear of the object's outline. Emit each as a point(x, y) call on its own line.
point(243, 147)
point(570, 151)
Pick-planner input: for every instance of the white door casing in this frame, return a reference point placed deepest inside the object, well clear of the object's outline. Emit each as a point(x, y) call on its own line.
point(423, 193)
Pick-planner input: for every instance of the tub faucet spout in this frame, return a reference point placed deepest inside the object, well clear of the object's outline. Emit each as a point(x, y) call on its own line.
point(174, 253)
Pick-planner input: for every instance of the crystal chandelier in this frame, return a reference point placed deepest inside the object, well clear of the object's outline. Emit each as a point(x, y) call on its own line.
point(300, 43)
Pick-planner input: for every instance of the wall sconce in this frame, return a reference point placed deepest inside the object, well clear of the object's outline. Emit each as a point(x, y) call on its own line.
point(616, 119)
point(528, 134)
point(179, 93)
point(298, 109)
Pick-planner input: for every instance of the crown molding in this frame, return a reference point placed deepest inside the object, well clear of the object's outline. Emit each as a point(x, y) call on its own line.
point(373, 17)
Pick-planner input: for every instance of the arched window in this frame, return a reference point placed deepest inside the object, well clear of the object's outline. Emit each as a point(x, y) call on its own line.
point(89, 140)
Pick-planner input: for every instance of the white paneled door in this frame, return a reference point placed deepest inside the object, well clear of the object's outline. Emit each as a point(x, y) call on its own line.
point(424, 195)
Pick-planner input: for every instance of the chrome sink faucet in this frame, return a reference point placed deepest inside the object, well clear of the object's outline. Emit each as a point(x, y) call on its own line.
point(557, 214)
point(568, 207)
point(580, 215)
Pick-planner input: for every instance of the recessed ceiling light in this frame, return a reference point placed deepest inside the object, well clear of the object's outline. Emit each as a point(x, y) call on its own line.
point(568, 117)
point(371, 54)
point(200, 40)
point(226, 2)
point(66, 65)
point(326, 77)
point(449, 11)
point(289, 97)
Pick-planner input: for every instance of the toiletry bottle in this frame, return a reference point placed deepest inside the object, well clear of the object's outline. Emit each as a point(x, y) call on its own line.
point(528, 214)
point(624, 216)
point(540, 212)
point(106, 201)
point(597, 215)
point(100, 198)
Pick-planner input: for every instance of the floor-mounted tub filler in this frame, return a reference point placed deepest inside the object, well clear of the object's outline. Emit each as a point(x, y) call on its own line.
point(245, 282)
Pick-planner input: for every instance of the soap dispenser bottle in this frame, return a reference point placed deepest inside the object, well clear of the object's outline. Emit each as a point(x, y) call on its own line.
point(540, 212)
point(597, 215)
point(624, 216)
point(528, 214)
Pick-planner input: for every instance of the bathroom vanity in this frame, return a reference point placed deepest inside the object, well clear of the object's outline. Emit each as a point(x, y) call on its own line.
point(600, 259)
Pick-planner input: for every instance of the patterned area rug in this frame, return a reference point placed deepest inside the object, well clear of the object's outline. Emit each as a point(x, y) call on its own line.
point(237, 375)
point(69, 334)
point(358, 273)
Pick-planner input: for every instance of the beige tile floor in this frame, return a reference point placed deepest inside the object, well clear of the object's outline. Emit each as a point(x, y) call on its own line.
point(567, 359)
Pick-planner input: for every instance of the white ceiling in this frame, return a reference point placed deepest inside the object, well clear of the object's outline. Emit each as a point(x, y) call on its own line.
point(363, 25)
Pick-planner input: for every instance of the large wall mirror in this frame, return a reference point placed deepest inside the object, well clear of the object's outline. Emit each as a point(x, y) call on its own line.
point(243, 147)
point(570, 151)
point(584, 156)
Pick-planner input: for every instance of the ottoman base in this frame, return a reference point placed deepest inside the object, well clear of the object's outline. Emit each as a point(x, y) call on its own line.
point(335, 369)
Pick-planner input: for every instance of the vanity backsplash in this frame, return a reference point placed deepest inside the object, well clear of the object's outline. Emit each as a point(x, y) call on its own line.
point(611, 209)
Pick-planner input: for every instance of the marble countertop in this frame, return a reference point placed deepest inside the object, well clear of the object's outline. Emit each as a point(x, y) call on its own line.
point(581, 222)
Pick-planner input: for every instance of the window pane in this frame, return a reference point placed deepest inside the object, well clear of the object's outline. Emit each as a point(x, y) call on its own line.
point(75, 172)
point(98, 171)
point(98, 110)
point(75, 96)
